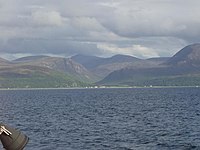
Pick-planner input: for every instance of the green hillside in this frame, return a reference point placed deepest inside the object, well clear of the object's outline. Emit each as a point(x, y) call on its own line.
point(37, 78)
point(41, 80)
point(160, 81)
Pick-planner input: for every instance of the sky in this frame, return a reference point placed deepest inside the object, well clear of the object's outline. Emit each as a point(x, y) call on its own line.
point(141, 28)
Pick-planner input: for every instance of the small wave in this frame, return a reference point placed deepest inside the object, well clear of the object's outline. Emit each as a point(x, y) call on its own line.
point(185, 146)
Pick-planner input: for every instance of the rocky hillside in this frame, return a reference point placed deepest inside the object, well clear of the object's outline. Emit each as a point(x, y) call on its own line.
point(43, 71)
point(64, 65)
point(188, 56)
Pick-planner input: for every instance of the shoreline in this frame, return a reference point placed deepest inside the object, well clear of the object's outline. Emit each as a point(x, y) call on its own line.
point(110, 87)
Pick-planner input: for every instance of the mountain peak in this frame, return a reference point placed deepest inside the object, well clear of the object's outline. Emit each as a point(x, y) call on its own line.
point(189, 55)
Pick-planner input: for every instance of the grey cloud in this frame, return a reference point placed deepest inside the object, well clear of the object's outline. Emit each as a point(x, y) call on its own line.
point(51, 18)
point(80, 26)
point(46, 46)
point(148, 18)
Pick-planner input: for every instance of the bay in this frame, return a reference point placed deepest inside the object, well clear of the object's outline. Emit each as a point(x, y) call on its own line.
point(105, 119)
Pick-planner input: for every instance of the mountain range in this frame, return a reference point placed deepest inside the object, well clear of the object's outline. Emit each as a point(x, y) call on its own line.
point(182, 69)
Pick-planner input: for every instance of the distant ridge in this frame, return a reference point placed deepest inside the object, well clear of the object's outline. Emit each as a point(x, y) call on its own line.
point(121, 58)
point(4, 61)
point(159, 59)
point(103, 66)
point(87, 60)
point(94, 61)
point(30, 58)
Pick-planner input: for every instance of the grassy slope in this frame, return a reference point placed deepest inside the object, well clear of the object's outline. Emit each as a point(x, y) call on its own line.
point(40, 80)
point(190, 80)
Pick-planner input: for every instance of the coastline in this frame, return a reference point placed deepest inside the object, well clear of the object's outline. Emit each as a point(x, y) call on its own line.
point(109, 87)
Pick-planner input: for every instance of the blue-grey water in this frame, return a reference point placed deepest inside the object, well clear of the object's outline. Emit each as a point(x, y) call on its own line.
point(105, 119)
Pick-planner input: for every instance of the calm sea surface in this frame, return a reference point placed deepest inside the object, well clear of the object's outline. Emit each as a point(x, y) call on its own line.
point(105, 119)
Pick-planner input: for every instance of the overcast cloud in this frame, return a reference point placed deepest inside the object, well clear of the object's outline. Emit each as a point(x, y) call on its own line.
point(142, 28)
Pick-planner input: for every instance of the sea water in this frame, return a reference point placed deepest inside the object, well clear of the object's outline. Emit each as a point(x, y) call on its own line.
point(105, 119)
